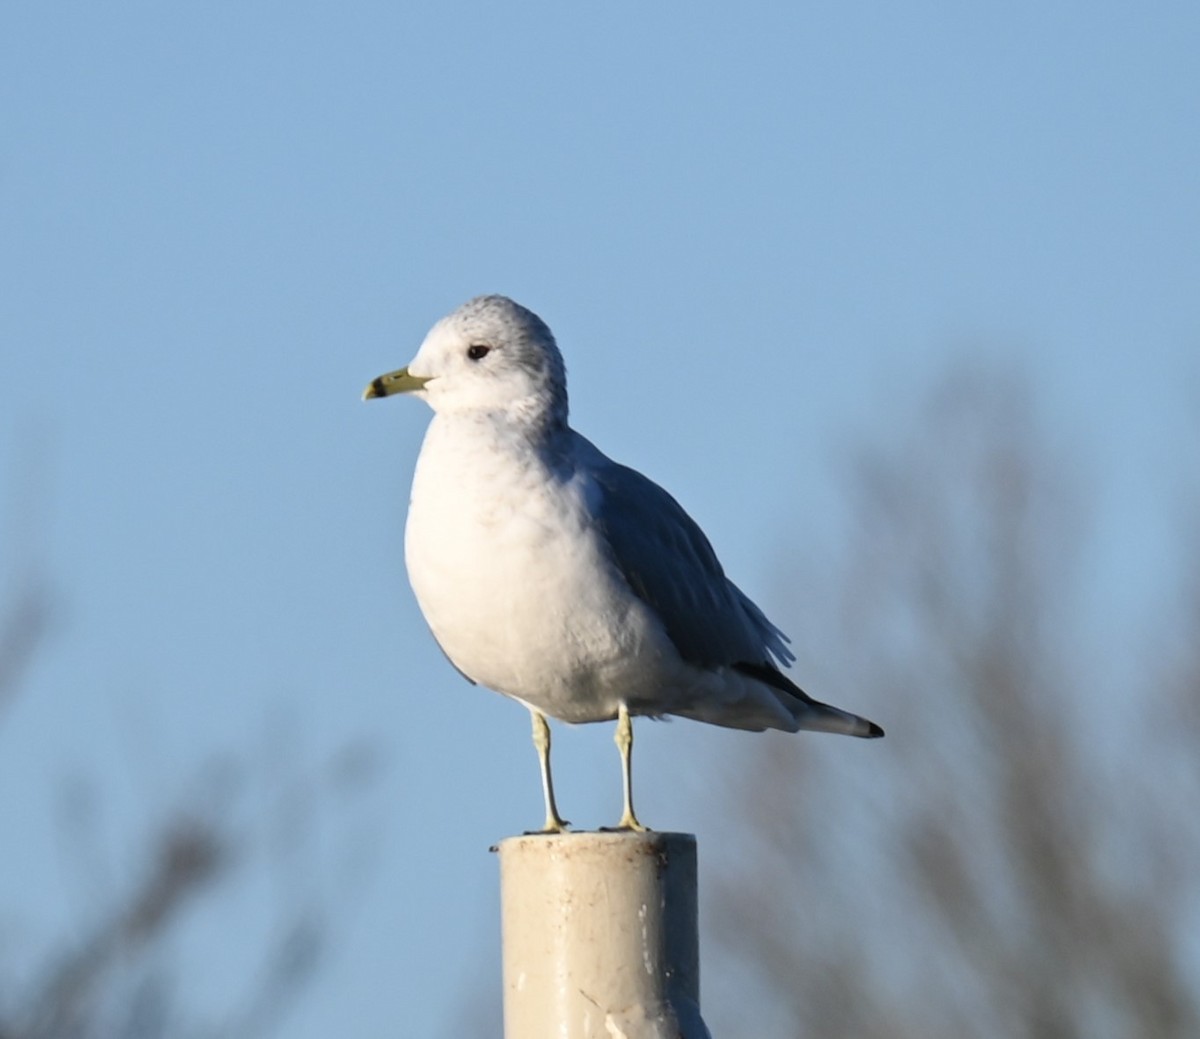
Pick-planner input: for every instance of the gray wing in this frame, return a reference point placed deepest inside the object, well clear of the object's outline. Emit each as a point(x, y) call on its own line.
point(670, 565)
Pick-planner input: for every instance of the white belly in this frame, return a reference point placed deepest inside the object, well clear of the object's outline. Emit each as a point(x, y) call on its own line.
point(511, 580)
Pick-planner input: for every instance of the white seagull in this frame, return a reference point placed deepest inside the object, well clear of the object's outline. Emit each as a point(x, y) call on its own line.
point(552, 574)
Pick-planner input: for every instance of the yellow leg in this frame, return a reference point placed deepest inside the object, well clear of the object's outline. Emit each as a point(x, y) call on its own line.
point(541, 740)
point(624, 741)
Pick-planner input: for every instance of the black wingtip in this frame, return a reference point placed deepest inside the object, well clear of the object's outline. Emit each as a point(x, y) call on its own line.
point(874, 732)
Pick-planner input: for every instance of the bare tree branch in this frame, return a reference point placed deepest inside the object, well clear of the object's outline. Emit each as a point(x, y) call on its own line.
point(996, 869)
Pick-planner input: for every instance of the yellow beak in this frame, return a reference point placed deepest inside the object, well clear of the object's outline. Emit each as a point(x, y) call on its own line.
point(394, 382)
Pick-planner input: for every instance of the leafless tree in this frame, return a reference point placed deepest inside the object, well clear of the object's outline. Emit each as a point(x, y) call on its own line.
point(1021, 856)
point(109, 976)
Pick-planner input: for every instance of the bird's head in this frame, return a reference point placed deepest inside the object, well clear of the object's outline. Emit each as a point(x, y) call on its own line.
point(489, 355)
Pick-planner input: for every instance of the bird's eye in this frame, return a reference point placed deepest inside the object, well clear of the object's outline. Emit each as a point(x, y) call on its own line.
point(477, 352)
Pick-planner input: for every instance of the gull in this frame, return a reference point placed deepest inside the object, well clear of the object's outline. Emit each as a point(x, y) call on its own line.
point(562, 579)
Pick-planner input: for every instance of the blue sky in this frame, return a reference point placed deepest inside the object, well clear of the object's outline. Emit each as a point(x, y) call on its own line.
point(758, 235)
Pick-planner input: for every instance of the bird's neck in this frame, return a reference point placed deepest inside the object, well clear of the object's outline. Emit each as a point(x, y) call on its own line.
point(512, 430)
point(528, 420)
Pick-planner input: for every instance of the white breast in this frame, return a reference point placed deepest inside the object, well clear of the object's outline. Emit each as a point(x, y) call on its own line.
point(505, 569)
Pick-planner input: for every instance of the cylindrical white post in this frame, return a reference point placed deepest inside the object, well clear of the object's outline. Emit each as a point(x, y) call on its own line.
point(600, 938)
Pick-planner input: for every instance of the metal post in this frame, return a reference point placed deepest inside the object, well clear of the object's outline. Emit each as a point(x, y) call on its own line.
point(600, 938)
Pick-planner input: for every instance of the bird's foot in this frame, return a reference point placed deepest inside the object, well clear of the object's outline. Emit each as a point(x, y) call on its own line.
point(554, 824)
point(628, 824)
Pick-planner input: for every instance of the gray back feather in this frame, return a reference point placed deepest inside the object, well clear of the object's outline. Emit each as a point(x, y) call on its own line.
point(670, 565)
